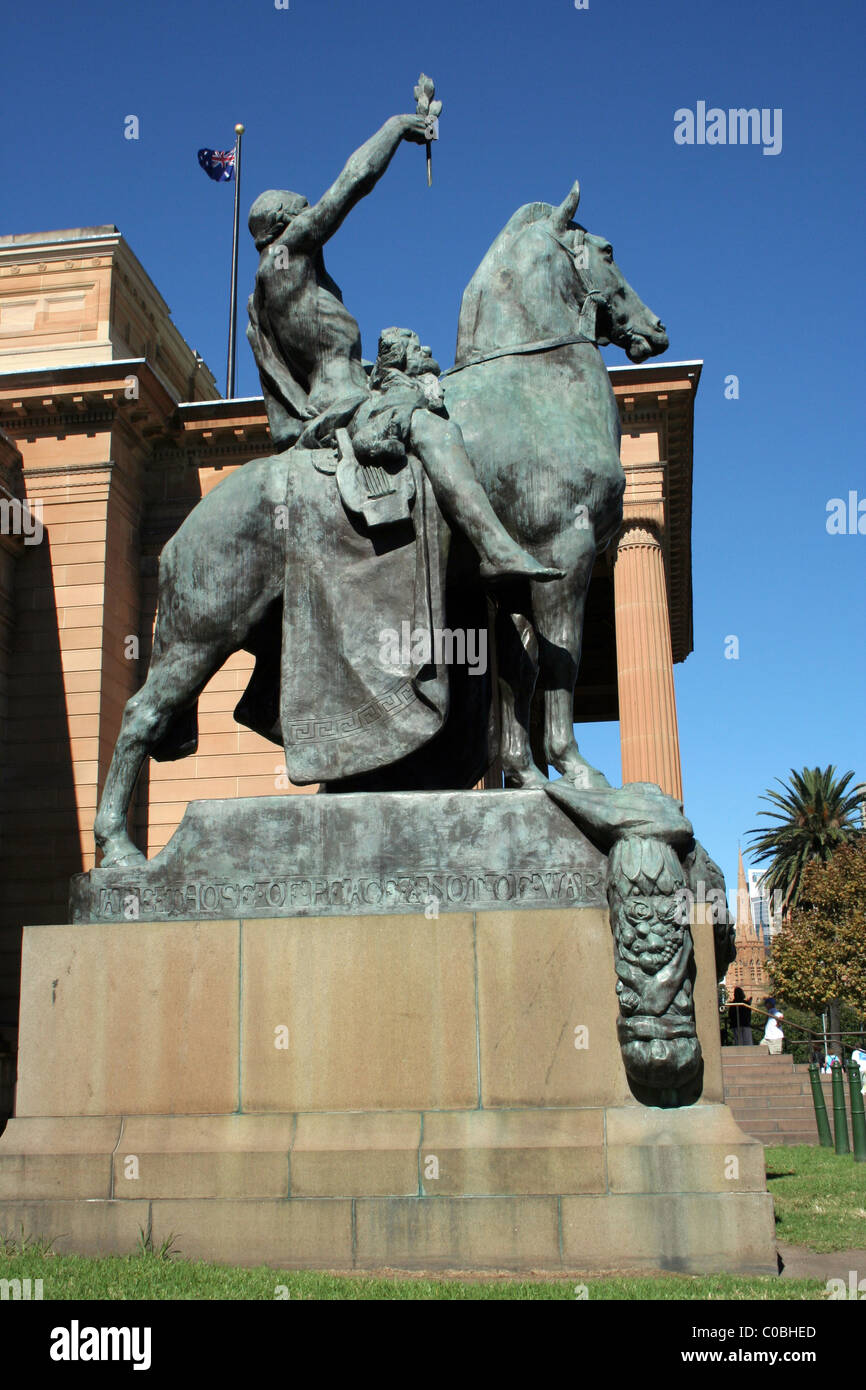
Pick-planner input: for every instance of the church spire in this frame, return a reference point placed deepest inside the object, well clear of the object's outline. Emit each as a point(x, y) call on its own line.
point(749, 969)
point(745, 924)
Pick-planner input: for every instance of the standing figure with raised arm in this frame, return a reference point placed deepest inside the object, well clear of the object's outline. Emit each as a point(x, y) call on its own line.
point(308, 346)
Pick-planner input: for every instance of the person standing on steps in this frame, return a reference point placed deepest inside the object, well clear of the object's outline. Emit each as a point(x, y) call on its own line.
point(740, 1017)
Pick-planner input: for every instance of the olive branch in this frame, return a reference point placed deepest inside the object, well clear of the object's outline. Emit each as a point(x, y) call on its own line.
point(425, 91)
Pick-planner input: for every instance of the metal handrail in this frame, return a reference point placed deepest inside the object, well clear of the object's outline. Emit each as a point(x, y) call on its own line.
point(801, 1028)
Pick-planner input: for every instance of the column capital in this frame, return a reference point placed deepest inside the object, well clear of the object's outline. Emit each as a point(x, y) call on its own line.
point(639, 532)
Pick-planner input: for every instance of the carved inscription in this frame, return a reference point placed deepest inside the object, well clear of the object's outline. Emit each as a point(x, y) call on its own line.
point(289, 896)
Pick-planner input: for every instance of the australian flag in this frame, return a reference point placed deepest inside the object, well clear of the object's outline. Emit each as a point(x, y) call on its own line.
point(218, 164)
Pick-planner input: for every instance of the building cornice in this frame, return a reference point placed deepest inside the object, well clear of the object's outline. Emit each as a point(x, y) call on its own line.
point(45, 400)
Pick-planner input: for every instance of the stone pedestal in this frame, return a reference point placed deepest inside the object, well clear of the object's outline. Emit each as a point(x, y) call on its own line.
point(372, 1091)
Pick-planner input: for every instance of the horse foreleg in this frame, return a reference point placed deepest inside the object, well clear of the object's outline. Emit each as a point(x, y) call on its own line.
point(517, 663)
point(176, 678)
point(559, 613)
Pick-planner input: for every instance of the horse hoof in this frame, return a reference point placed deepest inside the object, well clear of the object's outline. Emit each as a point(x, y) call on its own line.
point(586, 778)
point(122, 857)
point(527, 779)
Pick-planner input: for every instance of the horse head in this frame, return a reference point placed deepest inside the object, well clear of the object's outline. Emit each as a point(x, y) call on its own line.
point(611, 310)
point(546, 277)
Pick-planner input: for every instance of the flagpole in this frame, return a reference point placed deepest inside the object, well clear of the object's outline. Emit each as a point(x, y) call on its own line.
point(233, 306)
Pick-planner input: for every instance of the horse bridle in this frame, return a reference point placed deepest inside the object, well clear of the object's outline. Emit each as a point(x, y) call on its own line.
point(592, 294)
point(517, 349)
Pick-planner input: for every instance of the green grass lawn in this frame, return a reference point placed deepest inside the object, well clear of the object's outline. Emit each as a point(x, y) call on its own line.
point(68, 1277)
point(820, 1201)
point(820, 1197)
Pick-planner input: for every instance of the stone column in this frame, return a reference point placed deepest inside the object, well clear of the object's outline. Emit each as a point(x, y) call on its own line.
point(645, 676)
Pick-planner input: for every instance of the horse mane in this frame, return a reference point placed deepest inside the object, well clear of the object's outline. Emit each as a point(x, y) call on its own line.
point(530, 212)
point(470, 305)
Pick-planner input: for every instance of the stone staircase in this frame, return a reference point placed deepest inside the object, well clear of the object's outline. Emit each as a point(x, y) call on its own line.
point(770, 1097)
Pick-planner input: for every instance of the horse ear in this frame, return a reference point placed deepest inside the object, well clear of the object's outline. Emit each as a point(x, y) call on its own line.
point(565, 212)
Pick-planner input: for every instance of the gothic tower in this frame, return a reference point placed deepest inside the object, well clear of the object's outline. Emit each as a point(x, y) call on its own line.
point(749, 970)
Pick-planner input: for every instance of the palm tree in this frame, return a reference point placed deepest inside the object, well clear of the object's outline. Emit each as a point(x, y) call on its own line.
point(816, 815)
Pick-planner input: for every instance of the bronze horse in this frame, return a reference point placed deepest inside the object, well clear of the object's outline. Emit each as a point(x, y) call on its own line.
point(532, 396)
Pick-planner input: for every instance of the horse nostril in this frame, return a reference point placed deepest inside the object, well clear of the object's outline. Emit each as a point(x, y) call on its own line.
point(660, 326)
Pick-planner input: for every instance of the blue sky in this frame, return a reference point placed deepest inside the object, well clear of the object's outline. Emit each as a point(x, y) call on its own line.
point(753, 261)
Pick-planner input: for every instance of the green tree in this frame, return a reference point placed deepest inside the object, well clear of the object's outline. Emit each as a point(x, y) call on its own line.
point(819, 956)
point(816, 816)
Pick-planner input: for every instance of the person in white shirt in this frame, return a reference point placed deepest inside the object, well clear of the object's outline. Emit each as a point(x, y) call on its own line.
point(773, 1035)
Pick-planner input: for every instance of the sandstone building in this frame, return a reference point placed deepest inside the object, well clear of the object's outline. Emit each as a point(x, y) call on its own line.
point(111, 428)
